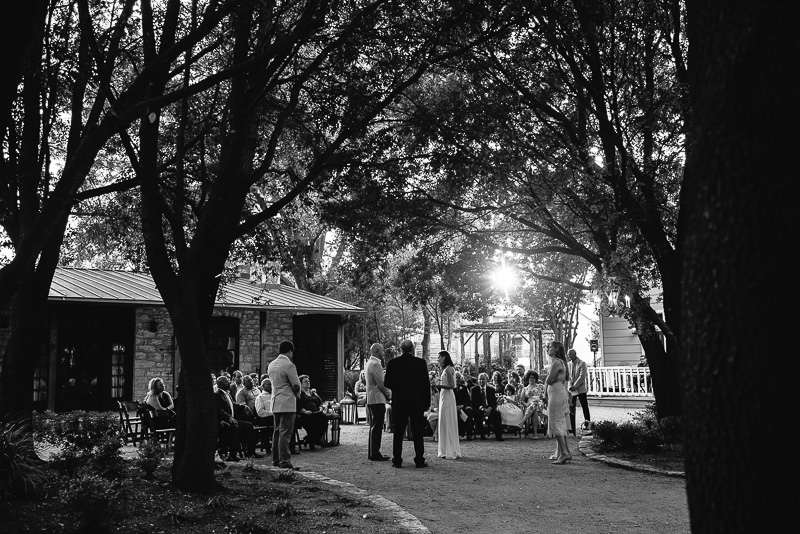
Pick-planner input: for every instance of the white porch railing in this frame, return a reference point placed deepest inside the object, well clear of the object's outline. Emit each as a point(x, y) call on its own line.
point(620, 382)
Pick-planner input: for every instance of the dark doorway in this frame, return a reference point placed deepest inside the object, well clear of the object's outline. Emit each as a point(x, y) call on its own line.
point(94, 364)
point(223, 344)
point(316, 351)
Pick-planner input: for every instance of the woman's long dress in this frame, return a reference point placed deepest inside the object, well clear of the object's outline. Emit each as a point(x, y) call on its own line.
point(448, 417)
point(557, 405)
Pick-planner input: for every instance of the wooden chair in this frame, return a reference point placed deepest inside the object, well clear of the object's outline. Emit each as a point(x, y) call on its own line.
point(131, 425)
point(263, 434)
point(159, 435)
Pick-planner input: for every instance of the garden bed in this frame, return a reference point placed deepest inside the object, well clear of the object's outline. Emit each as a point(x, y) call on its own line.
point(254, 500)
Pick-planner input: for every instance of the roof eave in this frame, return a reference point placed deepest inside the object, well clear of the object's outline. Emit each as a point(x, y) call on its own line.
point(298, 309)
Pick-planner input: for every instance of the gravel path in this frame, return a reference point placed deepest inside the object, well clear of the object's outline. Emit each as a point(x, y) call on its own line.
point(510, 486)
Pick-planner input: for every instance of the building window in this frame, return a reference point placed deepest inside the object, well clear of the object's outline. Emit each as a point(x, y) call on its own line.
point(516, 346)
point(40, 376)
point(118, 364)
point(223, 344)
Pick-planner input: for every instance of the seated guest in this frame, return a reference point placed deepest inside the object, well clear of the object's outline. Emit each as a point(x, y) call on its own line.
point(263, 402)
point(498, 383)
point(309, 413)
point(361, 389)
point(432, 414)
point(236, 383)
point(511, 413)
point(532, 399)
point(233, 433)
point(463, 405)
point(484, 406)
point(247, 395)
point(160, 404)
point(513, 379)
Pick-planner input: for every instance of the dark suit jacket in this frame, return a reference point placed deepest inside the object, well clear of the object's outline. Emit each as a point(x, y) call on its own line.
point(477, 398)
point(223, 410)
point(407, 377)
point(462, 396)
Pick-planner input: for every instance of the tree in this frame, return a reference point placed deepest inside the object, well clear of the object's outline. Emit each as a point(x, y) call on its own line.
point(555, 302)
point(77, 92)
point(325, 75)
point(740, 196)
point(566, 136)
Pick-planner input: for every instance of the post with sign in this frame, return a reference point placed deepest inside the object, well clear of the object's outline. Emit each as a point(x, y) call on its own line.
point(593, 346)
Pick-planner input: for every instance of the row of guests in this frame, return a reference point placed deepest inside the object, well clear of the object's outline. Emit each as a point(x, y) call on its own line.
point(240, 406)
point(480, 403)
point(237, 419)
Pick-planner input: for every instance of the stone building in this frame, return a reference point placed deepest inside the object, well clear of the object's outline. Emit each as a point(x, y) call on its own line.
point(109, 334)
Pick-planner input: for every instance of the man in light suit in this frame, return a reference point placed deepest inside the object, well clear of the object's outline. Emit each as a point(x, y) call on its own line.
point(407, 377)
point(285, 389)
point(377, 397)
point(577, 375)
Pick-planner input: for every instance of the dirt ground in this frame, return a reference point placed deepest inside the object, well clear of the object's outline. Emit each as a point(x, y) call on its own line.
point(509, 485)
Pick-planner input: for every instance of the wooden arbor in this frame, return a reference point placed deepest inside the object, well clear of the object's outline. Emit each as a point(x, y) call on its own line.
point(530, 331)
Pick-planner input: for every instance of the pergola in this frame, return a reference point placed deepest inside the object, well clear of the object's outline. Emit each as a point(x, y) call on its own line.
point(530, 331)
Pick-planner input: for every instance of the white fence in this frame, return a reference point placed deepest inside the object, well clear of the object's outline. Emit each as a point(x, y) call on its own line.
point(620, 382)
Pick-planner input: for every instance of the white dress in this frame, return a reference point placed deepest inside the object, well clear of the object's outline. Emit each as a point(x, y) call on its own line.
point(448, 417)
point(510, 414)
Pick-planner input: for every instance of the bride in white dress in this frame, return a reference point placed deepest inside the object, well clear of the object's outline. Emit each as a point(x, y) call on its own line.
point(448, 415)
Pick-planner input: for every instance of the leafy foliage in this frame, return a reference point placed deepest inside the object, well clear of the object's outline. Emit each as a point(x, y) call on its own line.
point(646, 433)
point(149, 457)
point(84, 440)
point(21, 470)
point(92, 499)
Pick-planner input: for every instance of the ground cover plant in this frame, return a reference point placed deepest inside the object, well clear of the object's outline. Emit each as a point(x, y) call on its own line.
point(254, 500)
point(86, 486)
point(645, 439)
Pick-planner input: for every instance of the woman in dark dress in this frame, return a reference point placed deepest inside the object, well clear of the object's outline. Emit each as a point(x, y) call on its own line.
point(309, 413)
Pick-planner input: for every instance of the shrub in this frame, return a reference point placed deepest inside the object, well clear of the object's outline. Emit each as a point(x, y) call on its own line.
point(21, 470)
point(671, 430)
point(646, 433)
point(94, 500)
point(83, 439)
point(604, 433)
point(627, 434)
point(647, 417)
point(149, 457)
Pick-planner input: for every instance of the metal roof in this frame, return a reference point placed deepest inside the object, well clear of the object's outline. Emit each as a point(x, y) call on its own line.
point(123, 287)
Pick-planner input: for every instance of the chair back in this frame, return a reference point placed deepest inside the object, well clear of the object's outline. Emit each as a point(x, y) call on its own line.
point(123, 414)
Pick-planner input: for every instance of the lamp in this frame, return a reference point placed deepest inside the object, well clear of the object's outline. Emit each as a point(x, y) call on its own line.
point(609, 304)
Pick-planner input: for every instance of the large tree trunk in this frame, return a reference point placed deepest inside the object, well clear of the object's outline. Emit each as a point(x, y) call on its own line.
point(26, 312)
point(426, 335)
point(741, 192)
point(195, 440)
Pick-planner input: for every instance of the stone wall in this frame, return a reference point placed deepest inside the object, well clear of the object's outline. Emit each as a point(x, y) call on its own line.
point(155, 354)
point(278, 326)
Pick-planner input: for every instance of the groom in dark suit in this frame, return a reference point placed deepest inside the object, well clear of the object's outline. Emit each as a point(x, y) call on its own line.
point(484, 405)
point(407, 377)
